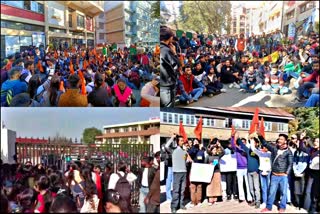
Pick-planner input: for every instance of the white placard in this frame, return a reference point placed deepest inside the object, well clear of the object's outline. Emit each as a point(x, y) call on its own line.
point(162, 168)
point(201, 172)
point(228, 163)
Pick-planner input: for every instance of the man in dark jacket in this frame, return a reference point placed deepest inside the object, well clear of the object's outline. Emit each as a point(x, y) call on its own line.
point(169, 64)
point(184, 43)
point(281, 166)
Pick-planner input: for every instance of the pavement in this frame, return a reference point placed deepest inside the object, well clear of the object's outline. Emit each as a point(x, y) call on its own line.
point(233, 97)
point(231, 206)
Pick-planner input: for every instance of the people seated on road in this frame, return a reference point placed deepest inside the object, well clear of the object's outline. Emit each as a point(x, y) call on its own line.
point(251, 82)
point(264, 69)
point(263, 53)
point(198, 71)
point(229, 75)
point(123, 94)
point(212, 82)
point(273, 82)
point(241, 66)
point(186, 83)
point(309, 85)
point(150, 93)
point(72, 97)
point(99, 96)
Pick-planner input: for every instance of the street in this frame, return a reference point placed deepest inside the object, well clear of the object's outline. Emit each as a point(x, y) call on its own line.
point(233, 97)
point(225, 207)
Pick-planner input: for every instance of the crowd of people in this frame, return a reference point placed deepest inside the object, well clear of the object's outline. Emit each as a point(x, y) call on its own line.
point(203, 66)
point(83, 188)
point(81, 77)
point(246, 169)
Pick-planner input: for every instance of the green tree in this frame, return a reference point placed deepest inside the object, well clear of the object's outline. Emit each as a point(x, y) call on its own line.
point(89, 135)
point(305, 119)
point(155, 10)
point(205, 16)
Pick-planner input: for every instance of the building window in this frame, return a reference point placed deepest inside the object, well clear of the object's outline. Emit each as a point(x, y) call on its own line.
point(134, 129)
point(228, 123)
point(170, 118)
point(107, 130)
point(282, 127)
point(21, 26)
point(187, 119)
point(27, 5)
point(267, 126)
point(101, 15)
point(176, 119)
point(192, 120)
point(57, 30)
point(70, 20)
point(307, 6)
point(208, 121)
point(101, 26)
point(116, 130)
point(181, 118)
point(164, 117)
point(101, 36)
point(80, 21)
point(246, 124)
point(290, 15)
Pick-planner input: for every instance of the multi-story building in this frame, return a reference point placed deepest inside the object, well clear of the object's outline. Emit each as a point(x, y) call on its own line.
point(298, 14)
point(217, 122)
point(136, 132)
point(130, 22)
point(25, 23)
point(238, 19)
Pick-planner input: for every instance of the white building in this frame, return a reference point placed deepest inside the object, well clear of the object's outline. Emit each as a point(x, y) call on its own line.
point(8, 142)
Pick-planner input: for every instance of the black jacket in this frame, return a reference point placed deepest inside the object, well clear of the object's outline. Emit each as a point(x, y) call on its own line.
point(184, 43)
point(151, 174)
point(282, 163)
point(168, 67)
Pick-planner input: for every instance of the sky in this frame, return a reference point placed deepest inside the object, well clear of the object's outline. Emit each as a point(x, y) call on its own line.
point(69, 122)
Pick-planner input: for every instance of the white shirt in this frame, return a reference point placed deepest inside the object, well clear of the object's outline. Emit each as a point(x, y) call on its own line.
point(144, 181)
point(114, 179)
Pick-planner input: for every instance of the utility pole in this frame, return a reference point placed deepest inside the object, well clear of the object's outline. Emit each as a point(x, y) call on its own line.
point(282, 14)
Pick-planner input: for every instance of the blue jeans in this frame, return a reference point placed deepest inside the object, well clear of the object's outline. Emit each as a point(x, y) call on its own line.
point(194, 94)
point(282, 91)
point(265, 181)
point(168, 184)
point(313, 101)
point(290, 74)
point(246, 87)
point(257, 48)
point(282, 183)
point(303, 90)
point(143, 194)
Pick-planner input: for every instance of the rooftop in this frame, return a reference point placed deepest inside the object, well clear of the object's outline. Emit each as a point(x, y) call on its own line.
point(152, 121)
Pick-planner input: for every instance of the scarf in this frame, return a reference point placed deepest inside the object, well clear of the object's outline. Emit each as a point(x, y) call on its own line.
point(123, 98)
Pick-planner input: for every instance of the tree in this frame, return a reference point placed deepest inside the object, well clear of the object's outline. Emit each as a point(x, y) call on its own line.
point(205, 16)
point(305, 119)
point(89, 135)
point(155, 10)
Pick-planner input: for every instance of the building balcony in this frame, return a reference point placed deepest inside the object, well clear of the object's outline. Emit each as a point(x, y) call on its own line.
point(91, 8)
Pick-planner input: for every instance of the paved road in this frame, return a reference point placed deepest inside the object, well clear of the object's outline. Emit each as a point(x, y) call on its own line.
point(225, 207)
point(235, 98)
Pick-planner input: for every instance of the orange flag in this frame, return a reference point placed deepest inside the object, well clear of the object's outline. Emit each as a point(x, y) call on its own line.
point(73, 50)
point(66, 53)
point(198, 129)
point(40, 66)
point(182, 132)
point(261, 128)
point(255, 121)
point(83, 84)
point(9, 65)
point(85, 64)
point(61, 88)
point(83, 54)
point(71, 68)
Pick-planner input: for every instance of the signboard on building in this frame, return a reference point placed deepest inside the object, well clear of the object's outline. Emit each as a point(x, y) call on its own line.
point(38, 38)
point(291, 31)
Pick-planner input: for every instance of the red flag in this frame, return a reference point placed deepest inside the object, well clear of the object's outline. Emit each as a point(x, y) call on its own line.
point(56, 55)
point(232, 130)
point(261, 127)
point(40, 66)
point(71, 68)
point(182, 132)
point(198, 129)
point(255, 121)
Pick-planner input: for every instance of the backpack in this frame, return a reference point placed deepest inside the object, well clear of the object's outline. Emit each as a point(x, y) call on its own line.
point(123, 187)
point(6, 97)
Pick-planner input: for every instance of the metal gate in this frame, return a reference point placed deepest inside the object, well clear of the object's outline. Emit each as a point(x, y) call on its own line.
point(55, 153)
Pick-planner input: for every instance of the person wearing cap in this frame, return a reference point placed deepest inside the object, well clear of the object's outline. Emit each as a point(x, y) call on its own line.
point(72, 96)
point(150, 93)
point(123, 95)
point(99, 95)
point(169, 64)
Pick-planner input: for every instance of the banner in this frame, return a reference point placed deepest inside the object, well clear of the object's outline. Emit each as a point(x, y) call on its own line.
point(291, 31)
point(201, 172)
point(162, 169)
point(272, 58)
point(228, 163)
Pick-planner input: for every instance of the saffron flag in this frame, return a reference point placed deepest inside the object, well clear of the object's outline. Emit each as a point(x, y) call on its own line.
point(232, 130)
point(61, 88)
point(71, 68)
point(198, 129)
point(261, 127)
point(40, 66)
point(255, 121)
point(85, 64)
point(182, 132)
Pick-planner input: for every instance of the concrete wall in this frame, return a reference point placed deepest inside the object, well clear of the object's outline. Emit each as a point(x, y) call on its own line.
point(8, 141)
point(155, 141)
